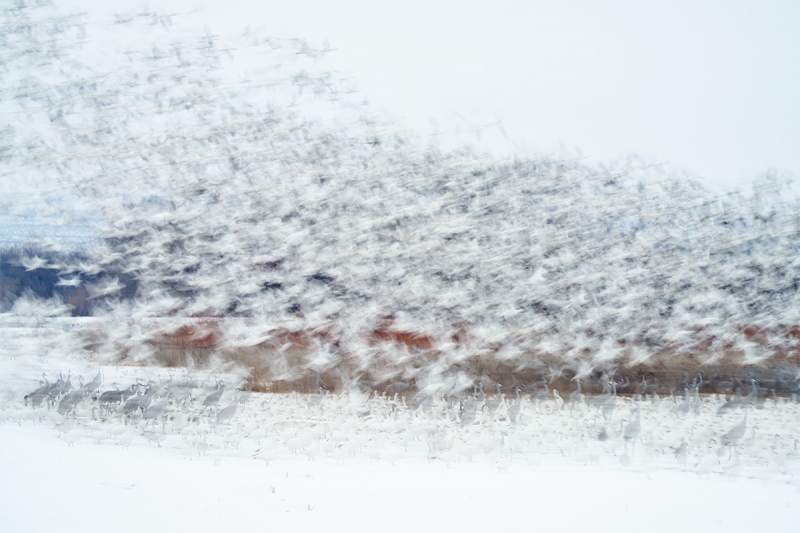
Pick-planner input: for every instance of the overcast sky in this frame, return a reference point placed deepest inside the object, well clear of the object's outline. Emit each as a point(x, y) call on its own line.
point(710, 86)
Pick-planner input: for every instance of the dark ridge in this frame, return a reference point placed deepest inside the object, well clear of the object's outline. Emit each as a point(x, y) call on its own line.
point(16, 280)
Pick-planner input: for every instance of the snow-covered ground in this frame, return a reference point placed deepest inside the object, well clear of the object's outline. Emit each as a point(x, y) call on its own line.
point(359, 462)
point(49, 485)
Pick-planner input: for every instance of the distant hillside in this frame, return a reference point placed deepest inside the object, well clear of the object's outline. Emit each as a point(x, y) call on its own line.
point(347, 250)
point(66, 280)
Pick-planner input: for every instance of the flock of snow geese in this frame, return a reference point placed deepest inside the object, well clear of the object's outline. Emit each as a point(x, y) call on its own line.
point(206, 416)
point(292, 202)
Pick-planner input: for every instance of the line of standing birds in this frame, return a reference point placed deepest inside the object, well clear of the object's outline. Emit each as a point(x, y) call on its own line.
point(689, 427)
point(149, 400)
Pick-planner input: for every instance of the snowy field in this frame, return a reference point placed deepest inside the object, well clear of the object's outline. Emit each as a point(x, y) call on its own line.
point(203, 457)
point(88, 487)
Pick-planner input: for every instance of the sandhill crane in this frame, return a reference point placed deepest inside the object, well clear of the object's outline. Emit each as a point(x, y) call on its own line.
point(736, 434)
point(213, 398)
point(245, 394)
point(225, 414)
point(36, 397)
point(732, 404)
point(697, 403)
point(181, 393)
point(57, 384)
point(752, 396)
point(116, 396)
point(633, 428)
point(641, 390)
point(58, 388)
point(130, 391)
point(576, 396)
point(683, 407)
point(542, 390)
point(110, 395)
point(608, 402)
point(95, 383)
point(469, 411)
point(154, 411)
point(139, 401)
point(514, 408)
point(71, 400)
point(493, 403)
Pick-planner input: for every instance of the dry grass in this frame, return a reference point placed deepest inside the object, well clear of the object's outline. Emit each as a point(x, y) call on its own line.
point(664, 375)
point(281, 364)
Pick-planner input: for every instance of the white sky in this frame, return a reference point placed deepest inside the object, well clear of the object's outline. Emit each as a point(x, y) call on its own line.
point(711, 86)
